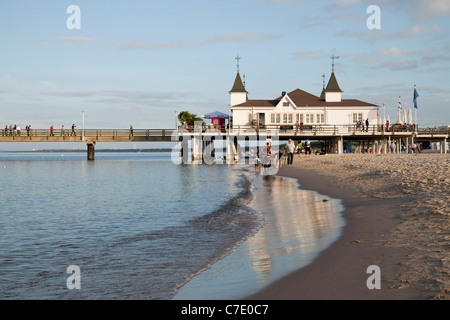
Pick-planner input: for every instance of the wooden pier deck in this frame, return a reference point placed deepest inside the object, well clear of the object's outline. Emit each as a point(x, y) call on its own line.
point(334, 135)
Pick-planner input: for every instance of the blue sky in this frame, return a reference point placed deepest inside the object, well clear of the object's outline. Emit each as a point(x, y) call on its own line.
point(137, 62)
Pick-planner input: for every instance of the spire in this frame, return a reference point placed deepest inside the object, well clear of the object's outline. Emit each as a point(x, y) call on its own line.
point(322, 95)
point(238, 94)
point(333, 86)
point(238, 86)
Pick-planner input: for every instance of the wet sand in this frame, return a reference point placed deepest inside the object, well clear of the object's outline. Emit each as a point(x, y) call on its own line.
point(397, 217)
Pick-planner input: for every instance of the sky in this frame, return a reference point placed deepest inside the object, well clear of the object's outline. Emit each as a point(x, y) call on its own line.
point(140, 62)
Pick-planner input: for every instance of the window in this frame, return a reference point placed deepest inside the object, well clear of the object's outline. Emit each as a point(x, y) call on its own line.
point(320, 118)
point(357, 117)
point(286, 104)
point(274, 118)
point(250, 118)
point(309, 118)
point(299, 117)
point(290, 116)
point(285, 118)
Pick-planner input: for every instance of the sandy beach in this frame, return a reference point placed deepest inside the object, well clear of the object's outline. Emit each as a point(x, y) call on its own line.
point(397, 218)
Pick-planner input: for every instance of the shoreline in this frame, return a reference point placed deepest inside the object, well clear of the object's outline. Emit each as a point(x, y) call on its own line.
point(379, 231)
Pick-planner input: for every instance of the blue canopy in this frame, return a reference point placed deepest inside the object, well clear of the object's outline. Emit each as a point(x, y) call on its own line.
point(215, 114)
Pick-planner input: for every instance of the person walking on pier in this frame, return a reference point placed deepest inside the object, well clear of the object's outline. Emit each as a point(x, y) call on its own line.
point(131, 130)
point(73, 130)
point(51, 130)
point(62, 130)
point(367, 125)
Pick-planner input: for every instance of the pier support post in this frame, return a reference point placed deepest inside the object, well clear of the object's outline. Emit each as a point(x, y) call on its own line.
point(340, 143)
point(90, 150)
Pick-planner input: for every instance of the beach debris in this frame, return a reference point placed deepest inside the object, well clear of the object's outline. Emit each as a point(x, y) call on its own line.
point(356, 241)
point(405, 284)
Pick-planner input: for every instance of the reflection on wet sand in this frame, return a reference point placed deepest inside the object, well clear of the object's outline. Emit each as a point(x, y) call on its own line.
point(299, 223)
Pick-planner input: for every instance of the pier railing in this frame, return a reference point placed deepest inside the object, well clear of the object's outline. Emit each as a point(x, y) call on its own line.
point(315, 129)
point(87, 133)
point(329, 130)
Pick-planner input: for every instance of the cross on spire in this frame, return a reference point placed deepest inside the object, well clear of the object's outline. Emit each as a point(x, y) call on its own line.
point(323, 80)
point(333, 57)
point(237, 59)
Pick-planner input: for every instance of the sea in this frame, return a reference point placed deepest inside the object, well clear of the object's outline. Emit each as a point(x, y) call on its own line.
point(136, 225)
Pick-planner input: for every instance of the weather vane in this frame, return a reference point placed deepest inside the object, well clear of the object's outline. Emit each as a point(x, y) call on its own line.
point(237, 59)
point(333, 57)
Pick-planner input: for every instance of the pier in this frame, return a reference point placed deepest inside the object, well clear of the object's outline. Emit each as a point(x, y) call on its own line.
point(333, 136)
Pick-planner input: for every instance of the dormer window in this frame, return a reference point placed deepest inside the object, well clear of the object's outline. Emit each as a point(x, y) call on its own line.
point(286, 104)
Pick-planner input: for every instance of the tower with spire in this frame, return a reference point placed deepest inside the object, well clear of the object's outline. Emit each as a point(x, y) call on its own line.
point(238, 94)
point(332, 92)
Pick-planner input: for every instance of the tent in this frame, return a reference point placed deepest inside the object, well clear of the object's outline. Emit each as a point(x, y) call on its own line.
point(217, 118)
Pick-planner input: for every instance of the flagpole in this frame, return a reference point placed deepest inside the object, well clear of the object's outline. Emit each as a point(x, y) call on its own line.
point(415, 108)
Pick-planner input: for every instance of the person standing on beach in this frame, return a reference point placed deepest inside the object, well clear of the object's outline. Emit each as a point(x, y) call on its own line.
point(299, 148)
point(392, 147)
point(257, 162)
point(280, 157)
point(308, 148)
point(290, 150)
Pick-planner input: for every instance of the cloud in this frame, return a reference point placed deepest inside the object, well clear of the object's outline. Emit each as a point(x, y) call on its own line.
point(121, 96)
point(144, 44)
point(232, 37)
point(291, 2)
point(345, 3)
point(74, 40)
point(400, 65)
point(308, 55)
point(392, 52)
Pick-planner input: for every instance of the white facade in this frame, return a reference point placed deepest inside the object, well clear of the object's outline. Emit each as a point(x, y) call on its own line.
point(302, 107)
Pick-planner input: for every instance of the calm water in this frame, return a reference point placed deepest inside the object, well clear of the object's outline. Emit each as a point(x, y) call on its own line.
point(141, 227)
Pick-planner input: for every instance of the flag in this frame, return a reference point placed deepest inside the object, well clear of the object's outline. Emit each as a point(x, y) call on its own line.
point(378, 117)
point(399, 104)
point(416, 95)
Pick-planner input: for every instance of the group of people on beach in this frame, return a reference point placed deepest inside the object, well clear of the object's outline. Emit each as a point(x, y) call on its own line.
point(265, 158)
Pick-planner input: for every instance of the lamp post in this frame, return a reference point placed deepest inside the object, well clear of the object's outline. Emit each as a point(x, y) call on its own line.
point(83, 126)
point(176, 120)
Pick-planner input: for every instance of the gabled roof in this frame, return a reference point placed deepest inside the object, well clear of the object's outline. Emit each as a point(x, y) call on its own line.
point(238, 86)
point(333, 85)
point(302, 99)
